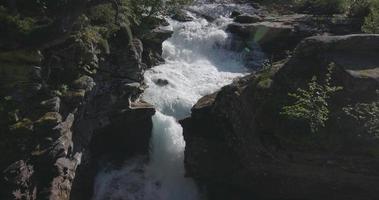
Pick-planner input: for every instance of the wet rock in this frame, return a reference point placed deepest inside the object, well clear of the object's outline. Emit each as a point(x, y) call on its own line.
point(235, 14)
point(48, 121)
point(182, 16)
point(24, 126)
point(246, 19)
point(51, 105)
point(84, 82)
point(131, 54)
point(275, 35)
point(74, 96)
point(128, 132)
point(152, 42)
point(161, 82)
point(269, 35)
point(133, 89)
point(157, 35)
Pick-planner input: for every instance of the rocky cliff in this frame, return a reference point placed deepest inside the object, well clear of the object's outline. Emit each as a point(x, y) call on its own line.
point(70, 86)
point(239, 145)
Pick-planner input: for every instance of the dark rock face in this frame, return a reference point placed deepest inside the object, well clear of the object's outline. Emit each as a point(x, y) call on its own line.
point(19, 175)
point(152, 54)
point(239, 146)
point(127, 134)
point(70, 102)
point(246, 19)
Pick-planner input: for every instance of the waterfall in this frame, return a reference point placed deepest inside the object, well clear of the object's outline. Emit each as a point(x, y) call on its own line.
point(197, 63)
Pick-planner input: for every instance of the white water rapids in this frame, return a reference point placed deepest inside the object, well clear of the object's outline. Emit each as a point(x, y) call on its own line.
point(197, 64)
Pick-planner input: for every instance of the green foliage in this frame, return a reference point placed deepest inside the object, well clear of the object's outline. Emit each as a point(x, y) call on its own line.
point(371, 22)
point(320, 6)
point(63, 89)
point(103, 15)
point(353, 8)
point(366, 115)
point(312, 103)
point(15, 25)
point(138, 9)
point(357, 8)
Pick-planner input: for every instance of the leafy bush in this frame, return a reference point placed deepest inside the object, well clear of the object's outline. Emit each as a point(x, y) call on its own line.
point(357, 8)
point(366, 115)
point(371, 22)
point(15, 25)
point(312, 103)
point(320, 6)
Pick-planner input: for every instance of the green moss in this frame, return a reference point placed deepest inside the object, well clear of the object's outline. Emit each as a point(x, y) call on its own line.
point(265, 77)
point(89, 35)
point(21, 127)
point(371, 22)
point(104, 16)
point(48, 120)
point(265, 83)
point(16, 23)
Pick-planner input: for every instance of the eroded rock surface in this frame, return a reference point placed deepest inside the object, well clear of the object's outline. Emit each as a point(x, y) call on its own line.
point(240, 146)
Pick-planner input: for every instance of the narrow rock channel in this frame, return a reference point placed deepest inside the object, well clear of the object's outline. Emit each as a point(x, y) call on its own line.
point(197, 63)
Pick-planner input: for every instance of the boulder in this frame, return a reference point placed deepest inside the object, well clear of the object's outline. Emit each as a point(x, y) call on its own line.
point(182, 16)
point(278, 34)
point(246, 19)
point(24, 126)
point(152, 42)
point(84, 82)
point(235, 14)
point(48, 121)
point(238, 145)
point(355, 54)
point(161, 82)
point(128, 132)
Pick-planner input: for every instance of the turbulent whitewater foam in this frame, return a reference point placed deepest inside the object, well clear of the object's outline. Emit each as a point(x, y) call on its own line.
point(197, 64)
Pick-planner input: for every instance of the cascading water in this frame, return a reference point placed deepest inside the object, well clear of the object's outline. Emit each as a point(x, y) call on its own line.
point(197, 64)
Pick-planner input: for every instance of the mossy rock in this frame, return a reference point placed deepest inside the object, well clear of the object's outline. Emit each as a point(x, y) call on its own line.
point(25, 126)
point(49, 120)
point(16, 68)
point(84, 82)
point(74, 96)
point(265, 83)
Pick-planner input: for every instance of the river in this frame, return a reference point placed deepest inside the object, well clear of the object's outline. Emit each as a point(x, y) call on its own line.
point(197, 63)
